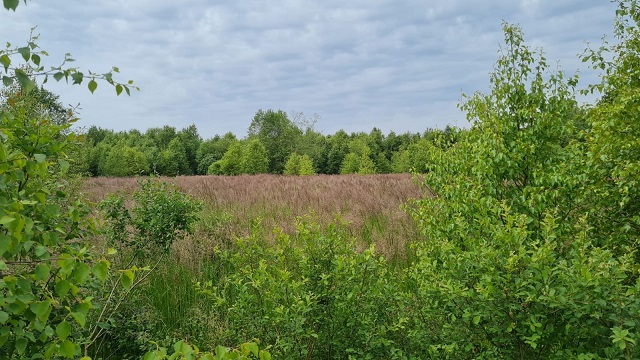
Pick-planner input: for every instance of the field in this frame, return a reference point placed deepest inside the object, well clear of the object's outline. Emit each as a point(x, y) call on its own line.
point(372, 206)
point(190, 292)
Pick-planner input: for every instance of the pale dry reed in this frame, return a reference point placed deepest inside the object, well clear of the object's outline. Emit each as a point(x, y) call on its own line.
point(372, 205)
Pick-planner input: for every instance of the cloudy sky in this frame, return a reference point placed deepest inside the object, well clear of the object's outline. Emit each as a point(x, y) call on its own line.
point(398, 65)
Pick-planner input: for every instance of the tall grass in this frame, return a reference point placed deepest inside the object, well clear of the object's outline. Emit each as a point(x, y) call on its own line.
point(263, 208)
point(372, 206)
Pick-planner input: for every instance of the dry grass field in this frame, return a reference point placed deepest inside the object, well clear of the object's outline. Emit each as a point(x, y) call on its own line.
point(370, 205)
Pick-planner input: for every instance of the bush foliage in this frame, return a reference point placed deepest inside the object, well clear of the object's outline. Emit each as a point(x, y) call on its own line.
point(527, 248)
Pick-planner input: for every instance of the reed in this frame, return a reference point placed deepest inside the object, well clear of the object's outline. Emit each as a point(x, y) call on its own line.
point(372, 206)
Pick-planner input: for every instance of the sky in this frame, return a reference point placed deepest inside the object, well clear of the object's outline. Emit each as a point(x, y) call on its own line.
point(398, 65)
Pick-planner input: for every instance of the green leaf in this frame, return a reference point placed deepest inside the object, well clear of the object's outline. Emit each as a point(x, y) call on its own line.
point(3, 317)
point(6, 220)
point(21, 345)
point(11, 4)
point(253, 347)
point(63, 330)
point(81, 273)
point(5, 61)
point(7, 81)
point(5, 243)
point(64, 164)
point(118, 89)
point(41, 309)
point(221, 351)
point(101, 270)
point(80, 318)
point(42, 272)
point(58, 76)
point(92, 85)
point(62, 287)
point(77, 77)
point(25, 52)
point(67, 349)
point(127, 278)
point(25, 81)
point(41, 251)
point(36, 59)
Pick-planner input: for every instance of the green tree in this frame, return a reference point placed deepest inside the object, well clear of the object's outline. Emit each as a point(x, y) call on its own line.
point(305, 165)
point(510, 268)
point(212, 150)
point(358, 160)
point(254, 158)
point(613, 135)
point(231, 163)
point(125, 161)
point(173, 160)
point(337, 148)
point(47, 272)
point(161, 136)
point(312, 143)
point(382, 164)
point(419, 155)
point(38, 103)
point(401, 161)
point(96, 134)
point(299, 165)
point(279, 135)
point(191, 141)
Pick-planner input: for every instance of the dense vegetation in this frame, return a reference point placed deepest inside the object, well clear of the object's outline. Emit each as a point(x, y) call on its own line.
point(274, 144)
point(525, 241)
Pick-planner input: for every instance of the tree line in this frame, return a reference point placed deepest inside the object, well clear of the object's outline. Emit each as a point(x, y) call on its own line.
point(274, 144)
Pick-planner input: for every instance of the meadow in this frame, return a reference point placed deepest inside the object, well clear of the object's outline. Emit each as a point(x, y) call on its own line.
point(372, 206)
point(254, 219)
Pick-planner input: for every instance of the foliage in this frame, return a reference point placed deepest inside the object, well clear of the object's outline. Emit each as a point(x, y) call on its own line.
point(278, 134)
point(190, 140)
point(182, 350)
point(613, 135)
point(173, 159)
point(231, 163)
point(160, 214)
point(46, 267)
point(38, 103)
point(165, 151)
point(123, 160)
point(337, 148)
point(357, 164)
point(511, 267)
point(299, 165)
point(255, 158)
point(212, 150)
point(311, 295)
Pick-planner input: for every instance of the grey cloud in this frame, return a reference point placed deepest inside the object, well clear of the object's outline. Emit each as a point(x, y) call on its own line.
point(397, 65)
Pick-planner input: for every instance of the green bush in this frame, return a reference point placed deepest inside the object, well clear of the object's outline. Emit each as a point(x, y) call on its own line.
point(46, 270)
point(510, 266)
point(311, 295)
point(160, 214)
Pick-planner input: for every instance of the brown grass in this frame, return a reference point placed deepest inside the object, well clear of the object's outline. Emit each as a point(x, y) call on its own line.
point(372, 205)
